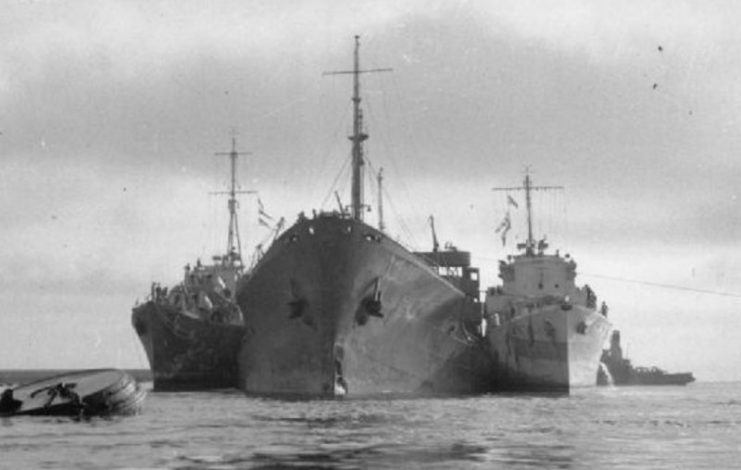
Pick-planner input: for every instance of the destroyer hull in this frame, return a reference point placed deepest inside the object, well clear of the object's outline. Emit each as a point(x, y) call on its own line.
point(336, 308)
point(185, 353)
point(549, 349)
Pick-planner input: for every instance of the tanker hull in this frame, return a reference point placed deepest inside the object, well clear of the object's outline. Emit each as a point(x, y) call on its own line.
point(337, 308)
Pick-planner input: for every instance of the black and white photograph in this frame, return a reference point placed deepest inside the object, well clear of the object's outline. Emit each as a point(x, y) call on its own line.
point(365, 234)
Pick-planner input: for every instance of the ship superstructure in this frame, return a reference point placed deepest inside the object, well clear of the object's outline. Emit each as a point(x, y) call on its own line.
point(544, 331)
point(336, 307)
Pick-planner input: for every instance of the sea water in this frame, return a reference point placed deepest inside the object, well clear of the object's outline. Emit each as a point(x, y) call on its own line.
point(697, 426)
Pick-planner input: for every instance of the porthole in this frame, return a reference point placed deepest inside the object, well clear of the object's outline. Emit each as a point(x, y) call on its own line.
point(292, 239)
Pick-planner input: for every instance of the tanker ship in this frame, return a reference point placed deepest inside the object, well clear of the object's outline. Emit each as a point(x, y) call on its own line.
point(544, 333)
point(192, 332)
point(336, 307)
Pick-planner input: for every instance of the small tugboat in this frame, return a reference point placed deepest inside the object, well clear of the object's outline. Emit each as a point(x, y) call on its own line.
point(100, 392)
point(192, 332)
point(618, 370)
point(544, 332)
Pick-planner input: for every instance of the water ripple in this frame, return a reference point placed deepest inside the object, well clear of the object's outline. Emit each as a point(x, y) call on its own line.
point(637, 428)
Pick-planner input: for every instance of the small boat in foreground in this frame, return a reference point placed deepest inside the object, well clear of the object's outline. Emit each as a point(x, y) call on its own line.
point(98, 392)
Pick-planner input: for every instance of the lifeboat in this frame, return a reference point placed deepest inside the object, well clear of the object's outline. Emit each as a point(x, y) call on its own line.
point(99, 392)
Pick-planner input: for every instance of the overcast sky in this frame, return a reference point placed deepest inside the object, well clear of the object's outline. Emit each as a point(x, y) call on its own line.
point(111, 112)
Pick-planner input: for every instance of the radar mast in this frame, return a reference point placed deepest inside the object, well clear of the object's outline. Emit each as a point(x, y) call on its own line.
point(233, 255)
point(528, 187)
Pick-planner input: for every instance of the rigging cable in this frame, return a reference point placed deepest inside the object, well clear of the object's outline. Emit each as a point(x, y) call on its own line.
point(370, 182)
point(336, 179)
point(665, 286)
point(410, 242)
point(334, 143)
point(406, 231)
point(640, 282)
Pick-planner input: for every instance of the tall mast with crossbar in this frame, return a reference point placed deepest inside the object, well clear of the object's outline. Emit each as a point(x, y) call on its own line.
point(528, 188)
point(358, 135)
point(233, 244)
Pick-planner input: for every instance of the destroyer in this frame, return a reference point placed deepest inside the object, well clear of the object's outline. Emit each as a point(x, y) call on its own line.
point(544, 332)
point(336, 307)
point(192, 332)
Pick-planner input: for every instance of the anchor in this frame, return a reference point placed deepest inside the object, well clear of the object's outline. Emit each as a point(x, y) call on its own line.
point(298, 304)
point(373, 304)
point(370, 305)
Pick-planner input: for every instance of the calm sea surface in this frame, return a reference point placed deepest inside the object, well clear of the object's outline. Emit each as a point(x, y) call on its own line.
point(698, 426)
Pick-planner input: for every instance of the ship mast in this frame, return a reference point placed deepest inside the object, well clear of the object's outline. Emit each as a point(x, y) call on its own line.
point(379, 178)
point(528, 188)
point(435, 244)
point(358, 136)
point(233, 243)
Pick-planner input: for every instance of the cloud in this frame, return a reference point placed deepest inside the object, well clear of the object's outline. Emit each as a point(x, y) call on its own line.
point(607, 32)
point(79, 229)
point(131, 38)
point(95, 98)
point(147, 87)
